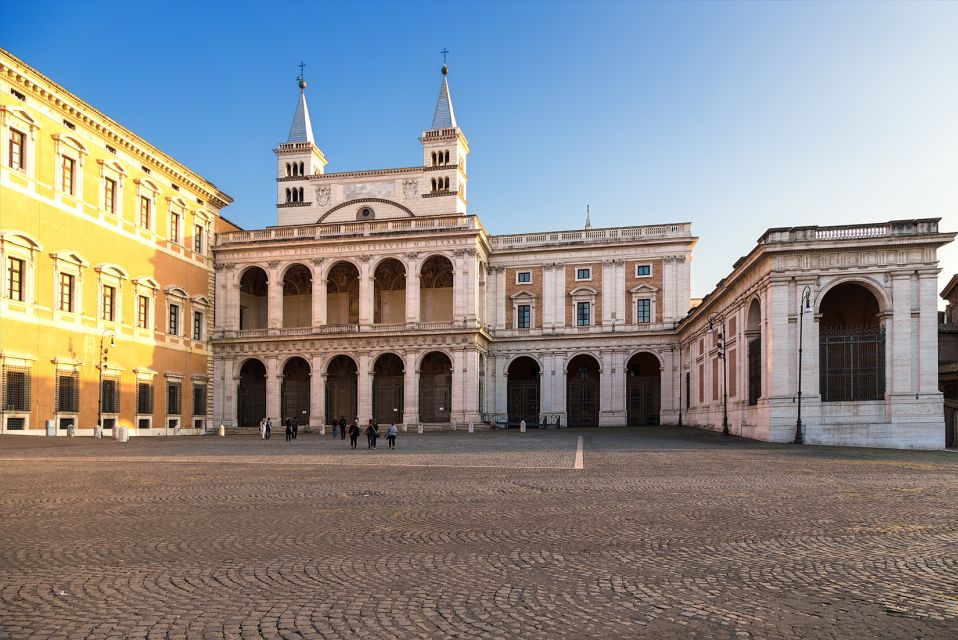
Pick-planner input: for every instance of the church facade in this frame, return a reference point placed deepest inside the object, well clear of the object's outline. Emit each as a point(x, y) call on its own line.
point(378, 295)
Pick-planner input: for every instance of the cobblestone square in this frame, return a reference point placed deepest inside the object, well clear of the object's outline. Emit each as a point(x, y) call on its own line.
point(664, 533)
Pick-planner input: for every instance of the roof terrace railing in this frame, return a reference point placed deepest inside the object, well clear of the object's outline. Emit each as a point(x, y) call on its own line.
point(612, 234)
point(894, 228)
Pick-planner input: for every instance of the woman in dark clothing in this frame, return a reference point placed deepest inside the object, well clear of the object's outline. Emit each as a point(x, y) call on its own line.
point(353, 435)
point(289, 429)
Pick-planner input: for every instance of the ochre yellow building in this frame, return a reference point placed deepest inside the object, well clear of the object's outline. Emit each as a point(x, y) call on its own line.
point(107, 270)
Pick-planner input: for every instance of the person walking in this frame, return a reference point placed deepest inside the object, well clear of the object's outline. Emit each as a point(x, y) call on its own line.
point(262, 429)
point(335, 429)
point(289, 429)
point(269, 428)
point(372, 433)
point(353, 435)
point(391, 432)
point(295, 426)
point(342, 427)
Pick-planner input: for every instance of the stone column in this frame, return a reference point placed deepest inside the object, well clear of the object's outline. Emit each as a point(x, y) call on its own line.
point(499, 382)
point(274, 297)
point(500, 301)
point(317, 391)
point(365, 291)
point(470, 386)
point(364, 388)
point(457, 414)
point(410, 414)
point(559, 402)
point(274, 379)
point(459, 286)
point(898, 341)
point(620, 291)
point(668, 378)
point(612, 389)
point(669, 287)
point(224, 391)
point(560, 297)
point(412, 290)
point(318, 309)
point(608, 297)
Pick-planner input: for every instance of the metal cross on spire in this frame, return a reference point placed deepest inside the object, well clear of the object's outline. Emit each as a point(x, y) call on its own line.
point(302, 67)
point(444, 53)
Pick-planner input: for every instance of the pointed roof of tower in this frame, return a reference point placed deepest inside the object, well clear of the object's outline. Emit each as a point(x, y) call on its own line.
point(301, 130)
point(445, 117)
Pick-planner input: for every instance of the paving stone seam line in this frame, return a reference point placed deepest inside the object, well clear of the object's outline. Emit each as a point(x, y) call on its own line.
point(287, 463)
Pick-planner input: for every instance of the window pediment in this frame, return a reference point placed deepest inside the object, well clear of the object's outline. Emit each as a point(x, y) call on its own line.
point(71, 257)
point(70, 141)
point(643, 288)
point(523, 295)
point(201, 300)
point(583, 291)
point(176, 292)
point(146, 282)
point(19, 239)
point(111, 270)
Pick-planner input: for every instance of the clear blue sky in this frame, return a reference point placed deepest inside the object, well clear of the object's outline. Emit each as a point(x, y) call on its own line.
point(734, 116)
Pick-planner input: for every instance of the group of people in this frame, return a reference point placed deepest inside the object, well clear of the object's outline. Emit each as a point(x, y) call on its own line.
point(372, 432)
point(340, 429)
point(292, 428)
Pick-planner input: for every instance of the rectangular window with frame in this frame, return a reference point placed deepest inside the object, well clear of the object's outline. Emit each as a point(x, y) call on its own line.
point(643, 310)
point(198, 239)
point(109, 195)
point(174, 319)
point(144, 398)
point(16, 388)
point(67, 283)
point(199, 399)
point(174, 398)
point(67, 174)
point(110, 400)
point(68, 392)
point(15, 272)
point(109, 303)
point(583, 315)
point(523, 277)
point(643, 270)
point(584, 273)
point(18, 150)
point(197, 325)
point(143, 312)
point(524, 319)
point(146, 206)
point(175, 218)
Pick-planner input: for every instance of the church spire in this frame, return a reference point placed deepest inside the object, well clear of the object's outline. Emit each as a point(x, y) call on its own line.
point(445, 117)
point(301, 130)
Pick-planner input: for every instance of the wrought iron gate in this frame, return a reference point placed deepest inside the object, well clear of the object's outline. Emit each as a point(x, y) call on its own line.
point(852, 364)
point(296, 400)
point(643, 394)
point(388, 399)
point(523, 402)
point(583, 400)
point(435, 398)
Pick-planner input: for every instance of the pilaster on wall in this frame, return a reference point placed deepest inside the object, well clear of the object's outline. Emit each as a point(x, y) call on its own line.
point(318, 310)
point(470, 388)
point(413, 283)
point(500, 385)
point(273, 382)
point(274, 289)
point(317, 391)
point(899, 343)
point(458, 381)
point(776, 349)
point(364, 381)
point(410, 413)
point(365, 292)
point(500, 305)
point(928, 333)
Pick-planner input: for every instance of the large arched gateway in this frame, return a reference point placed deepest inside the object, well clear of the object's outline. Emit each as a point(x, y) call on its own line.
point(582, 391)
point(435, 388)
point(295, 390)
point(251, 392)
point(341, 375)
point(388, 389)
point(643, 390)
point(523, 391)
point(851, 345)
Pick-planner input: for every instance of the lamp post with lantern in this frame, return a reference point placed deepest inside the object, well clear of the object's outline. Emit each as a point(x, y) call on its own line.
point(803, 308)
point(104, 351)
point(716, 318)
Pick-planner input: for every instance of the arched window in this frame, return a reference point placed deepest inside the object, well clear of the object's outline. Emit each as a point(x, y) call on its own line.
point(446, 187)
point(434, 184)
point(302, 169)
point(434, 158)
point(300, 194)
point(851, 345)
point(287, 169)
point(288, 195)
point(447, 157)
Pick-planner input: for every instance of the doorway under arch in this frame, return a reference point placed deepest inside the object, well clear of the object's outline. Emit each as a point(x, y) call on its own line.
point(388, 389)
point(251, 394)
point(851, 345)
point(522, 392)
point(582, 391)
point(643, 390)
point(753, 337)
point(341, 378)
point(435, 388)
point(295, 392)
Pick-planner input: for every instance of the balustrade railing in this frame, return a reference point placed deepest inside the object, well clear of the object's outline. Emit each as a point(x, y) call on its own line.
point(347, 229)
point(591, 235)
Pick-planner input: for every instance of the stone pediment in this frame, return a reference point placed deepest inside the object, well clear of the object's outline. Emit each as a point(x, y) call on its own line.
point(523, 294)
point(643, 288)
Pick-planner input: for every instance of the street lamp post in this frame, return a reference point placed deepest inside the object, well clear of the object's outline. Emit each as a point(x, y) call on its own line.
point(803, 308)
point(679, 345)
point(713, 318)
point(103, 361)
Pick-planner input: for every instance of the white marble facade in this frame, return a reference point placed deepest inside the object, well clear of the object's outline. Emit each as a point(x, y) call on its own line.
point(371, 278)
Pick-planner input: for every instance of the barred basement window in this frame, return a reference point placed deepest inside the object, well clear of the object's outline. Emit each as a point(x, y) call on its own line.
point(144, 398)
point(111, 395)
point(174, 398)
point(199, 399)
point(16, 424)
point(68, 392)
point(16, 388)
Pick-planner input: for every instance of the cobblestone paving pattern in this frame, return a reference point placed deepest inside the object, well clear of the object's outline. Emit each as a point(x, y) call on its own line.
point(666, 533)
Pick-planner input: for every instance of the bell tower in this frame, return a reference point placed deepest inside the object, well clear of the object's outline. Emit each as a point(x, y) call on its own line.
point(298, 157)
point(444, 151)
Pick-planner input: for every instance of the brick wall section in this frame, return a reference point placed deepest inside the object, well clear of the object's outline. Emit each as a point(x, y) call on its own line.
point(512, 288)
point(631, 282)
point(594, 283)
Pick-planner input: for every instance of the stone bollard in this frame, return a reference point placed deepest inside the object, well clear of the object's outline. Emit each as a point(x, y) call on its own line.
point(405, 427)
point(472, 427)
point(322, 430)
point(124, 434)
point(98, 432)
point(71, 430)
point(419, 428)
point(454, 425)
point(522, 426)
point(222, 431)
